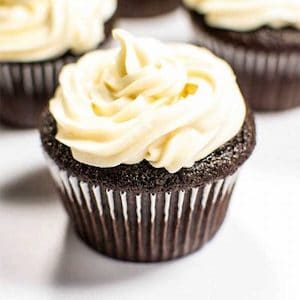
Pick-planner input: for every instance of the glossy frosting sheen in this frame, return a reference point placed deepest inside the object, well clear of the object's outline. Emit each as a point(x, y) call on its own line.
point(32, 30)
point(170, 104)
point(247, 15)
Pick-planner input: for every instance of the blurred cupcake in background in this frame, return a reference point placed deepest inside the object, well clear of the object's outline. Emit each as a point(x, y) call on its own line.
point(146, 8)
point(261, 40)
point(145, 143)
point(37, 37)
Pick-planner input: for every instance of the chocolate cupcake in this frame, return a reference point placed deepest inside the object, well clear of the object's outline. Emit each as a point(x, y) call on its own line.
point(145, 143)
point(146, 8)
point(261, 40)
point(36, 39)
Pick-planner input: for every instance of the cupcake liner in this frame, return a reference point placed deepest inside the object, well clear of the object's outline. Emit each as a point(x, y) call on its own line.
point(268, 80)
point(144, 227)
point(27, 87)
point(149, 8)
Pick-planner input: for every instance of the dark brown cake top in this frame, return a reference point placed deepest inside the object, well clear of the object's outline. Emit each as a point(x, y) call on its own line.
point(143, 177)
point(264, 38)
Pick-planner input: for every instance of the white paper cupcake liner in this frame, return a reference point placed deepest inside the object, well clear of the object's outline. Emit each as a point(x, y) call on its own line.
point(144, 227)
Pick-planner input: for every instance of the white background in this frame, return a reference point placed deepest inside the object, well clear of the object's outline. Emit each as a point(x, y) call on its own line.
point(256, 255)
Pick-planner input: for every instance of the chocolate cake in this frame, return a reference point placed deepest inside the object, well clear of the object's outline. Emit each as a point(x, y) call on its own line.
point(266, 61)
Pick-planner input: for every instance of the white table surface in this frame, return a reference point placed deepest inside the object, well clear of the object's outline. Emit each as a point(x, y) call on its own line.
point(256, 255)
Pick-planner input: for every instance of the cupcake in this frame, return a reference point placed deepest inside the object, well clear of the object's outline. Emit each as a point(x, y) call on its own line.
point(261, 40)
point(146, 8)
point(145, 143)
point(36, 39)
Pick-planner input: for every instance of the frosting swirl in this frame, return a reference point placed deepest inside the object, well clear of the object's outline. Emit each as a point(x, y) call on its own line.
point(248, 15)
point(171, 105)
point(32, 30)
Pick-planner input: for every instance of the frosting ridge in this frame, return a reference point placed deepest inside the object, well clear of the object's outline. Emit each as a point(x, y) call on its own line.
point(170, 104)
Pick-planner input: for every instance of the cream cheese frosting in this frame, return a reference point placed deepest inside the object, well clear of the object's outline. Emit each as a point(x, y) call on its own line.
point(32, 30)
point(248, 15)
point(169, 104)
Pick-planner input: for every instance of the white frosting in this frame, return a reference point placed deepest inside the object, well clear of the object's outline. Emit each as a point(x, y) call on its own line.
point(32, 30)
point(247, 15)
point(169, 104)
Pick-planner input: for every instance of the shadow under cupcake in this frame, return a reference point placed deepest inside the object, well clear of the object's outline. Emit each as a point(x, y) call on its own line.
point(145, 150)
point(35, 47)
point(261, 41)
